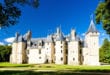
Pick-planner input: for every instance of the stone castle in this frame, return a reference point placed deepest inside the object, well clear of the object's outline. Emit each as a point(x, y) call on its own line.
point(57, 48)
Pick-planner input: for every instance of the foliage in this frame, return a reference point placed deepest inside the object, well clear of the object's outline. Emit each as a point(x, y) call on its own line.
point(5, 52)
point(103, 15)
point(10, 11)
point(105, 52)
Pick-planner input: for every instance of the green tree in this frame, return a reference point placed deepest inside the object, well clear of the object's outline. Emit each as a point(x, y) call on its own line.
point(10, 11)
point(5, 52)
point(103, 15)
point(105, 52)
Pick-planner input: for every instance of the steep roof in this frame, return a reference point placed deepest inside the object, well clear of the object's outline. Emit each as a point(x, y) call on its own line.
point(60, 36)
point(16, 37)
point(21, 39)
point(49, 38)
point(92, 27)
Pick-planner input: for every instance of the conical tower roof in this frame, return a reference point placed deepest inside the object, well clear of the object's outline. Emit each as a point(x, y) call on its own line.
point(60, 36)
point(92, 27)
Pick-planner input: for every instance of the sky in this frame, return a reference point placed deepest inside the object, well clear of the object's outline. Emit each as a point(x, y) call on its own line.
point(51, 14)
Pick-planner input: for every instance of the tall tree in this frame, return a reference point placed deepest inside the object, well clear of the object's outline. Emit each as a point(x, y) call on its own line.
point(5, 52)
point(103, 15)
point(10, 11)
point(105, 52)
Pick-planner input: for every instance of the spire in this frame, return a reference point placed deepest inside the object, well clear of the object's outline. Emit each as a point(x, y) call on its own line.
point(60, 36)
point(21, 39)
point(49, 38)
point(92, 27)
point(16, 37)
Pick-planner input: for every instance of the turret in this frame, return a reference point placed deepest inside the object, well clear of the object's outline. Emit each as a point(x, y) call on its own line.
point(73, 49)
point(92, 45)
point(49, 46)
point(14, 49)
point(60, 48)
point(73, 34)
point(92, 35)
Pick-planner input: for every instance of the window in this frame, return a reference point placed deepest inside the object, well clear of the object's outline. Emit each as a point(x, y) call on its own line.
point(61, 51)
point(66, 51)
point(39, 57)
point(61, 42)
point(61, 46)
point(73, 59)
point(40, 44)
point(39, 51)
point(61, 59)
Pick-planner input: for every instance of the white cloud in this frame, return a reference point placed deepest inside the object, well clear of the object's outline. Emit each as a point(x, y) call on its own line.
point(83, 34)
point(1, 43)
point(9, 40)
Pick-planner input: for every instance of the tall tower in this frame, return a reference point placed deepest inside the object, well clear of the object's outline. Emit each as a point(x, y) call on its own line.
point(14, 49)
point(21, 50)
point(18, 55)
point(60, 48)
point(91, 50)
point(49, 46)
point(73, 49)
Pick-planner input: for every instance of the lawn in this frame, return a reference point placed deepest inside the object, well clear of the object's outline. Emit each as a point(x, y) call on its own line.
point(49, 69)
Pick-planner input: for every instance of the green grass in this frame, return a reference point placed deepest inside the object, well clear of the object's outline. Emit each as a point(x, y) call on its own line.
point(42, 73)
point(25, 69)
point(7, 64)
point(52, 67)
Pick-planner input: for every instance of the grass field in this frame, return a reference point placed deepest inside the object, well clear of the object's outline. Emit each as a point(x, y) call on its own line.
point(49, 69)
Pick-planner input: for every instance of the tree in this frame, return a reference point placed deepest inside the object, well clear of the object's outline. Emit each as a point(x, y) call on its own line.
point(5, 52)
point(10, 11)
point(103, 15)
point(105, 52)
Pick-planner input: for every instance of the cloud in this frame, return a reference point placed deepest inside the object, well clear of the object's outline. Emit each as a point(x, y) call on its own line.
point(1, 43)
point(83, 34)
point(9, 40)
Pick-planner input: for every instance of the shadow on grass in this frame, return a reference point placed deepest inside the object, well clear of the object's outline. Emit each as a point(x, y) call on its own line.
point(48, 73)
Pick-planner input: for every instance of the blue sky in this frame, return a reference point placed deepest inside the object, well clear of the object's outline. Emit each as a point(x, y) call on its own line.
point(51, 14)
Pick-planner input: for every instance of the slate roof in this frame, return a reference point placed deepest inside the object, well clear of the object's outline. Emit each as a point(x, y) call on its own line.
point(59, 36)
point(92, 27)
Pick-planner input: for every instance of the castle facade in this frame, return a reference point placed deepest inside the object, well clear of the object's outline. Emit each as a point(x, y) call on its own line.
point(57, 48)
